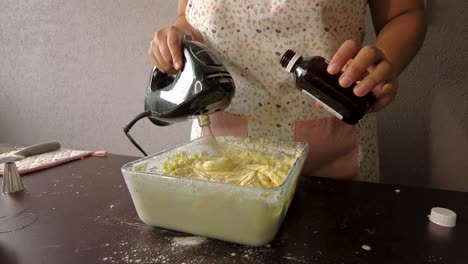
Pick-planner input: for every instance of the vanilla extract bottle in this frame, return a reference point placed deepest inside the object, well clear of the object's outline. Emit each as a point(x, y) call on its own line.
point(313, 80)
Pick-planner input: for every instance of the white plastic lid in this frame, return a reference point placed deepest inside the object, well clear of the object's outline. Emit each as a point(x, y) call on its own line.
point(443, 217)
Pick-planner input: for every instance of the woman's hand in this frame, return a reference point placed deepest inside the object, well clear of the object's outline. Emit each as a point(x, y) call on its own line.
point(165, 48)
point(369, 68)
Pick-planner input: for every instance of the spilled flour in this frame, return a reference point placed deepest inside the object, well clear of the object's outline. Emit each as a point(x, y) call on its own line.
point(188, 241)
point(160, 246)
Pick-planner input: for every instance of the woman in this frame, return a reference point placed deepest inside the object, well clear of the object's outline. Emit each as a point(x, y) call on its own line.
point(251, 36)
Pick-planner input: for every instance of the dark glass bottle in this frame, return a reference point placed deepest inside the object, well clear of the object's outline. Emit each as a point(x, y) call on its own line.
point(313, 80)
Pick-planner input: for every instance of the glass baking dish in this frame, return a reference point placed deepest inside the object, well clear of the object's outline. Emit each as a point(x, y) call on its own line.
point(240, 214)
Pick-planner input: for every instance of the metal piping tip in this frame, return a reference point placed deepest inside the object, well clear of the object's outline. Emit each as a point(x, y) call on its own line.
point(203, 120)
point(11, 179)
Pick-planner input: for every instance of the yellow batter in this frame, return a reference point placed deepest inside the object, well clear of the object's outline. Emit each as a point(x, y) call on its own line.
point(250, 168)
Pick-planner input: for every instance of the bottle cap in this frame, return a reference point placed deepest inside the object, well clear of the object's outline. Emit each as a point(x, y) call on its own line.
point(289, 59)
point(443, 217)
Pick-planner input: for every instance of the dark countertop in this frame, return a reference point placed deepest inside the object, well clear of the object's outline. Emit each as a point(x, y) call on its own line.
point(81, 212)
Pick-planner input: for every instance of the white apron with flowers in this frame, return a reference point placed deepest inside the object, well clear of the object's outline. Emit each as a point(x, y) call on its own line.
point(250, 37)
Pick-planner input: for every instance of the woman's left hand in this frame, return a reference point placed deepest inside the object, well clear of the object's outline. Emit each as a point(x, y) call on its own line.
point(368, 67)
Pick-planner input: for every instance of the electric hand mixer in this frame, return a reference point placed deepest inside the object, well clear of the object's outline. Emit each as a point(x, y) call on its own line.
point(201, 88)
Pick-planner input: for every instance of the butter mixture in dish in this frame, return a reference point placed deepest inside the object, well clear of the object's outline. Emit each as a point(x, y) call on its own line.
point(250, 167)
point(196, 203)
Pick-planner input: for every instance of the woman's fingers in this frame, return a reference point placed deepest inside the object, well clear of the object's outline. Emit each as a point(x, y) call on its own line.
point(161, 63)
point(358, 68)
point(346, 52)
point(166, 49)
point(155, 54)
point(151, 53)
point(160, 52)
point(174, 44)
point(346, 65)
point(366, 67)
point(380, 74)
point(387, 94)
point(378, 89)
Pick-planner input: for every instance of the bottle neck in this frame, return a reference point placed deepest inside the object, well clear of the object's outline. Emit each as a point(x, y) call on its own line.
point(293, 62)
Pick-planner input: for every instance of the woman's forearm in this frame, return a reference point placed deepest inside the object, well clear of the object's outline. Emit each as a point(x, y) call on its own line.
point(401, 38)
point(400, 26)
point(181, 21)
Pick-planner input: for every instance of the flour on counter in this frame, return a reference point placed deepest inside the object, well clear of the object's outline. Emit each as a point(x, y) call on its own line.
point(294, 259)
point(188, 241)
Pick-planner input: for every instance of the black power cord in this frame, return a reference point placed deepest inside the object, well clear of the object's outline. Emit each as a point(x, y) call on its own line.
point(131, 124)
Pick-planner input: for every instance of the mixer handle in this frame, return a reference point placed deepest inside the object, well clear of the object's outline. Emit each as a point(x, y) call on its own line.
point(160, 79)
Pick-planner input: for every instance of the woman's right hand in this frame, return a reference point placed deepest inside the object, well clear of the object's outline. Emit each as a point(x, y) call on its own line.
point(166, 48)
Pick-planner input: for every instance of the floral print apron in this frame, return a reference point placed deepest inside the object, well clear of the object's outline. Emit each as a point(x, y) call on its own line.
point(250, 37)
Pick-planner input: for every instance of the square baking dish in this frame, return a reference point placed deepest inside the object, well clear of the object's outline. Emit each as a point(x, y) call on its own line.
point(240, 214)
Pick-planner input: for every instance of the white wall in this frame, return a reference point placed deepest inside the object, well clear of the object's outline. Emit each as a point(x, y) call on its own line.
point(76, 71)
point(423, 136)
